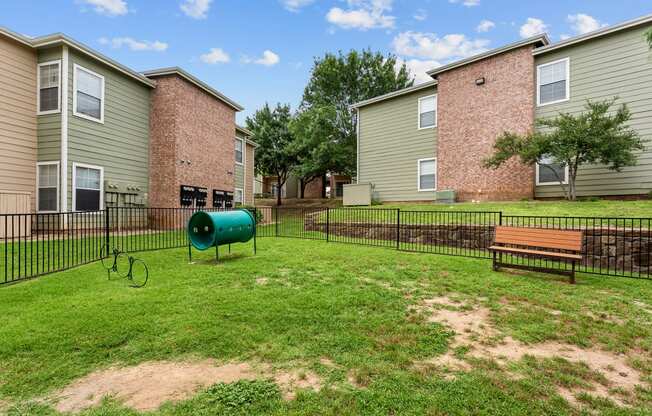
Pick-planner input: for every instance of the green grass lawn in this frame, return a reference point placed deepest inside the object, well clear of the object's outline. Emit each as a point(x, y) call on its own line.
point(331, 309)
point(598, 208)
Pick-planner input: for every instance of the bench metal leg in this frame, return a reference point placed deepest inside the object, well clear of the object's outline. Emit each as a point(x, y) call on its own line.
point(572, 275)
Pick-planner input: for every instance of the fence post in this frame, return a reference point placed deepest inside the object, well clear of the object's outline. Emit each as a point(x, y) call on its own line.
point(328, 221)
point(107, 234)
point(276, 220)
point(398, 228)
point(500, 218)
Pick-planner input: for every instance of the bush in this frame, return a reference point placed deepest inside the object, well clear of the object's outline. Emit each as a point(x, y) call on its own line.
point(258, 214)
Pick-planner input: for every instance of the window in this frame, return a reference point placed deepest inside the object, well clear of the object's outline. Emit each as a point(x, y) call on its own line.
point(48, 186)
point(87, 187)
point(48, 78)
point(238, 196)
point(548, 173)
point(553, 82)
point(428, 112)
point(88, 98)
point(427, 174)
point(238, 151)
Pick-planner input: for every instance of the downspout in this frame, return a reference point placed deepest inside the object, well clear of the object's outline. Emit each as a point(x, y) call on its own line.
point(244, 171)
point(64, 131)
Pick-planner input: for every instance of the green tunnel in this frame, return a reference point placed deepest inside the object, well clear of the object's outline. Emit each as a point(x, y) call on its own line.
point(209, 229)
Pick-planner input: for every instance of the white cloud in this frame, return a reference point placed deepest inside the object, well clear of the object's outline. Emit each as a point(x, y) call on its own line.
point(215, 56)
point(363, 15)
point(418, 68)
point(296, 5)
point(533, 26)
point(135, 45)
point(420, 15)
point(485, 26)
point(432, 47)
point(197, 9)
point(564, 36)
point(269, 58)
point(583, 23)
point(108, 7)
point(467, 3)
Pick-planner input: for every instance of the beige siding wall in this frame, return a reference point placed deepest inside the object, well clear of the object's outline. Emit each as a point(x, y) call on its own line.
point(239, 170)
point(120, 145)
point(390, 144)
point(615, 65)
point(249, 175)
point(18, 126)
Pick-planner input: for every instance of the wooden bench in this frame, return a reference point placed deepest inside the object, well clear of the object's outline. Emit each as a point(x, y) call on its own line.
point(558, 245)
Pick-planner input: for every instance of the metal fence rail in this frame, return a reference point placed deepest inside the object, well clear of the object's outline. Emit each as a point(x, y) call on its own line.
point(36, 244)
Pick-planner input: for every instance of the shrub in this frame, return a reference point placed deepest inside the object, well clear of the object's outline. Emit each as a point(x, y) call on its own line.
point(258, 214)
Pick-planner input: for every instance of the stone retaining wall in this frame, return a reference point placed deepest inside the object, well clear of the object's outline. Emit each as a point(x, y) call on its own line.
point(622, 250)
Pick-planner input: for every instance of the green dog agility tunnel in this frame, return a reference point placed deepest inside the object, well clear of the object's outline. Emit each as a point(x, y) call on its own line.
point(214, 229)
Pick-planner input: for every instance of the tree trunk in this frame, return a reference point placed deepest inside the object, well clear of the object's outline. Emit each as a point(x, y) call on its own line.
point(303, 184)
point(279, 186)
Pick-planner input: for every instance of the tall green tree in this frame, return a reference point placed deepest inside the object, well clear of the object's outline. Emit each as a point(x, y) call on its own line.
point(648, 36)
point(596, 135)
point(276, 154)
point(339, 80)
point(317, 144)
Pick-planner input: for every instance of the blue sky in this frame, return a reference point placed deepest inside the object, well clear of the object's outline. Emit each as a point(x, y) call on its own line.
point(262, 50)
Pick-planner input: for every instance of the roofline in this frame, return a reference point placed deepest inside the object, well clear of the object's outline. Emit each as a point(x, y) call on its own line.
point(153, 73)
point(595, 34)
point(540, 38)
point(60, 38)
point(248, 133)
point(393, 94)
point(243, 130)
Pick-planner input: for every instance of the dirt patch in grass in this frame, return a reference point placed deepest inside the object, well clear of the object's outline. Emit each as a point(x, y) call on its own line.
point(473, 330)
point(262, 281)
point(147, 386)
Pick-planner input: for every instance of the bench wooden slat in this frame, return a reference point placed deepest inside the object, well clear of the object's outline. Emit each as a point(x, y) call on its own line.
point(536, 252)
point(540, 237)
point(539, 242)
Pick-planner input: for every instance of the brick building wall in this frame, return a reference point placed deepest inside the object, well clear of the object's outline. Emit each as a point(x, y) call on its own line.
point(470, 119)
point(188, 124)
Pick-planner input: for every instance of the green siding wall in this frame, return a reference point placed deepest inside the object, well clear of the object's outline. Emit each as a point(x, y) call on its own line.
point(390, 144)
point(616, 65)
point(238, 172)
point(49, 125)
point(121, 144)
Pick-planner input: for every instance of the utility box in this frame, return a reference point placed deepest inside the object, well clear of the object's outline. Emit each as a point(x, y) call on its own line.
point(445, 197)
point(356, 194)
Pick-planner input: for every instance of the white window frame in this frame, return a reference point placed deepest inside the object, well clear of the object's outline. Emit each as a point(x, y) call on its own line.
point(38, 88)
point(74, 94)
point(429, 159)
point(76, 165)
point(539, 183)
point(420, 99)
point(241, 193)
point(567, 60)
point(38, 184)
point(243, 152)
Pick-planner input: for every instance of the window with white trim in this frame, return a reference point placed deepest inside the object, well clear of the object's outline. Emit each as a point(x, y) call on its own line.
point(549, 173)
point(88, 94)
point(427, 173)
point(238, 151)
point(428, 112)
point(553, 82)
point(87, 188)
point(49, 81)
point(238, 196)
point(48, 186)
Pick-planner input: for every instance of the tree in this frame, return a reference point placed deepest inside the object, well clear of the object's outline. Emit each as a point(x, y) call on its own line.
point(276, 153)
point(593, 136)
point(648, 36)
point(339, 80)
point(317, 144)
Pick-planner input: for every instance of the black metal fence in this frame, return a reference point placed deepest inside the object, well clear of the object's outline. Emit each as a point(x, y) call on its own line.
point(35, 244)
